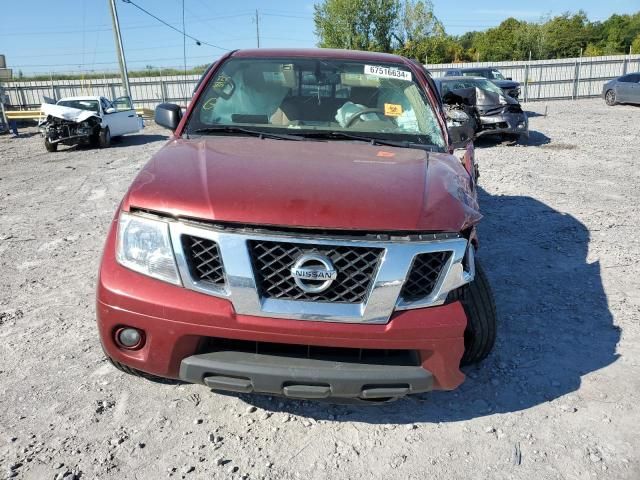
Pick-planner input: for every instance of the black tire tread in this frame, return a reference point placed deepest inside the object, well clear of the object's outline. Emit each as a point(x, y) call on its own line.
point(102, 138)
point(51, 147)
point(479, 305)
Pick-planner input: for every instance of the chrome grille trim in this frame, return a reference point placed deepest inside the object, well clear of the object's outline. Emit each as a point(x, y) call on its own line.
point(383, 299)
point(272, 267)
point(203, 258)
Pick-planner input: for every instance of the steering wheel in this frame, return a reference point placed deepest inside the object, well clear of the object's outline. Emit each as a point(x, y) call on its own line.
point(357, 115)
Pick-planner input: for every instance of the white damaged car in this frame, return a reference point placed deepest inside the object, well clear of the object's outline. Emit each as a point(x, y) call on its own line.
point(87, 120)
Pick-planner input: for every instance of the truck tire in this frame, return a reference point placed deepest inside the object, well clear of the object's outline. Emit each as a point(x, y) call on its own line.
point(51, 147)
point(479, 305)
point(105, 138)
point(139, 373)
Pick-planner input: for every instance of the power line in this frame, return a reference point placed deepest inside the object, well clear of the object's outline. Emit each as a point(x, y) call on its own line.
point(75, 54)
point(198, 42)
point(102, 27)
point(148, 60)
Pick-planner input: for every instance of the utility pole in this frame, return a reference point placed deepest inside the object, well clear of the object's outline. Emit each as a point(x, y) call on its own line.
point(119, 47)
point(257, 28)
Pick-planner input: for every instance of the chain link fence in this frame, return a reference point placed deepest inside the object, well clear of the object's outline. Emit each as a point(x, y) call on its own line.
point(541, 80)
point(567, 78)
point(147, 92)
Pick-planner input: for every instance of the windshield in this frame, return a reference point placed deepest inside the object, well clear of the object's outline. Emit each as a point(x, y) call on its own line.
point(480, 83)
point(90, 105)
point(298, 96)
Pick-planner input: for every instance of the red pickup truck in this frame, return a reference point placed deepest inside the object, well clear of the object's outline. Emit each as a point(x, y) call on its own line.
point(306, 232)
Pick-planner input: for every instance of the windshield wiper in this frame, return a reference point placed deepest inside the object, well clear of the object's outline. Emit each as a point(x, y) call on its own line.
point(371, 140)
point(248, 131)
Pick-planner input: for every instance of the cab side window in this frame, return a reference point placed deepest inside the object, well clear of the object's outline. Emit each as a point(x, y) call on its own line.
point(105, 104)
point(631, 78)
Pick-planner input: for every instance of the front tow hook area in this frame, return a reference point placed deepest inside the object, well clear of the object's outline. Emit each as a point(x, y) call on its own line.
point(303, 378)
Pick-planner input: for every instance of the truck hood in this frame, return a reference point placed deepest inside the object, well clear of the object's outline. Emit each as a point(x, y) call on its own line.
point(67, 113)
point(483, 99)
point(506, 83)
point(308, 184)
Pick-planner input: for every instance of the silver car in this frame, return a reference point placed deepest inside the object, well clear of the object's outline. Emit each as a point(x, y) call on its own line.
point(624, 89)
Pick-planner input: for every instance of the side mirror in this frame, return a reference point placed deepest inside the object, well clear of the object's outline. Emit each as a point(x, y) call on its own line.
point(168, 115)
point(110, 110)
point(508, 78)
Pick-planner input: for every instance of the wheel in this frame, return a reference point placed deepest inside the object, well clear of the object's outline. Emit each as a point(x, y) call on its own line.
point(139, 373)
point(479, 305)
point(51, 147)
point(105, 138)
point(610, 98)
point(94, 140)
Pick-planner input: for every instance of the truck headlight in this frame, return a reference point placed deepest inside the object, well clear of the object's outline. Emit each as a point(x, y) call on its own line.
point(144, 246)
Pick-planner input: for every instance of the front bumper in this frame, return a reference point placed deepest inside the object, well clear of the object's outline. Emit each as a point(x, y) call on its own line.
point(511, 123)
point(179, 325)
point(305, 378)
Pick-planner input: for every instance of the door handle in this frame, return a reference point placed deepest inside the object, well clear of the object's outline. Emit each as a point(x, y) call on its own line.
point(130, 116)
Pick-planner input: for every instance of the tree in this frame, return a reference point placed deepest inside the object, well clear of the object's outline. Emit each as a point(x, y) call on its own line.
point(635, 45)
point(410, 28)
point(618, 32)
point(593, 50)
point(418, 22)
point(378, 25)
point(356, 24)
point(566, 35)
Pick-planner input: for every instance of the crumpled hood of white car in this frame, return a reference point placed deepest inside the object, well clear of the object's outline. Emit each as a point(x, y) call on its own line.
point(67, 113)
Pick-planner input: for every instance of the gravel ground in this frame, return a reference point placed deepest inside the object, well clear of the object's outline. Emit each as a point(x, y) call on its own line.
point(559, 398)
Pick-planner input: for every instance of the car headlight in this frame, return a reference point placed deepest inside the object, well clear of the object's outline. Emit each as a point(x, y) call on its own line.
point(144, 246)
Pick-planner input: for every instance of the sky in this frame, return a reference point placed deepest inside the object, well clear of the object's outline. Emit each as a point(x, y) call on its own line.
point(41, 36)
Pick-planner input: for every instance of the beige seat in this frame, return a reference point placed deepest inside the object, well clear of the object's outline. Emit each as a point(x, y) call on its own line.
point(296, 109)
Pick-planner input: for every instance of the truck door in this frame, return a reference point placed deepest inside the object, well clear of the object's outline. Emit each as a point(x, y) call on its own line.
point(128, 115)
point(111, 118)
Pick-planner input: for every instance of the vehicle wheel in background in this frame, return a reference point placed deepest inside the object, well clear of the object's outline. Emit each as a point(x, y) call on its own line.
point(610, 98)
point(479, 305)
point(51, 147)
point(105, 138)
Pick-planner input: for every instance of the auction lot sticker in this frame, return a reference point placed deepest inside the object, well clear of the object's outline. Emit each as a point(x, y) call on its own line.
point(387, 72)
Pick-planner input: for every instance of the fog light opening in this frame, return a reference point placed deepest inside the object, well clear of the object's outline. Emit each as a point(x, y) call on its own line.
point(129, 338)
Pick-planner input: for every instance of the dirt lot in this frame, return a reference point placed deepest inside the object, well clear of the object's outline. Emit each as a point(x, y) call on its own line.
point(558, 399)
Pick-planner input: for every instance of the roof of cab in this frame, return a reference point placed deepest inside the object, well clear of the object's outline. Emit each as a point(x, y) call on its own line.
point(321, 53)
point(81, 97)
point(453, 78)
point(472, 69)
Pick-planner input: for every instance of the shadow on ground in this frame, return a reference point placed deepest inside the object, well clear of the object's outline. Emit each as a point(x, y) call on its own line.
point(138, 139)
point(117, 142)
point(555, 324)
point(536, 139)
